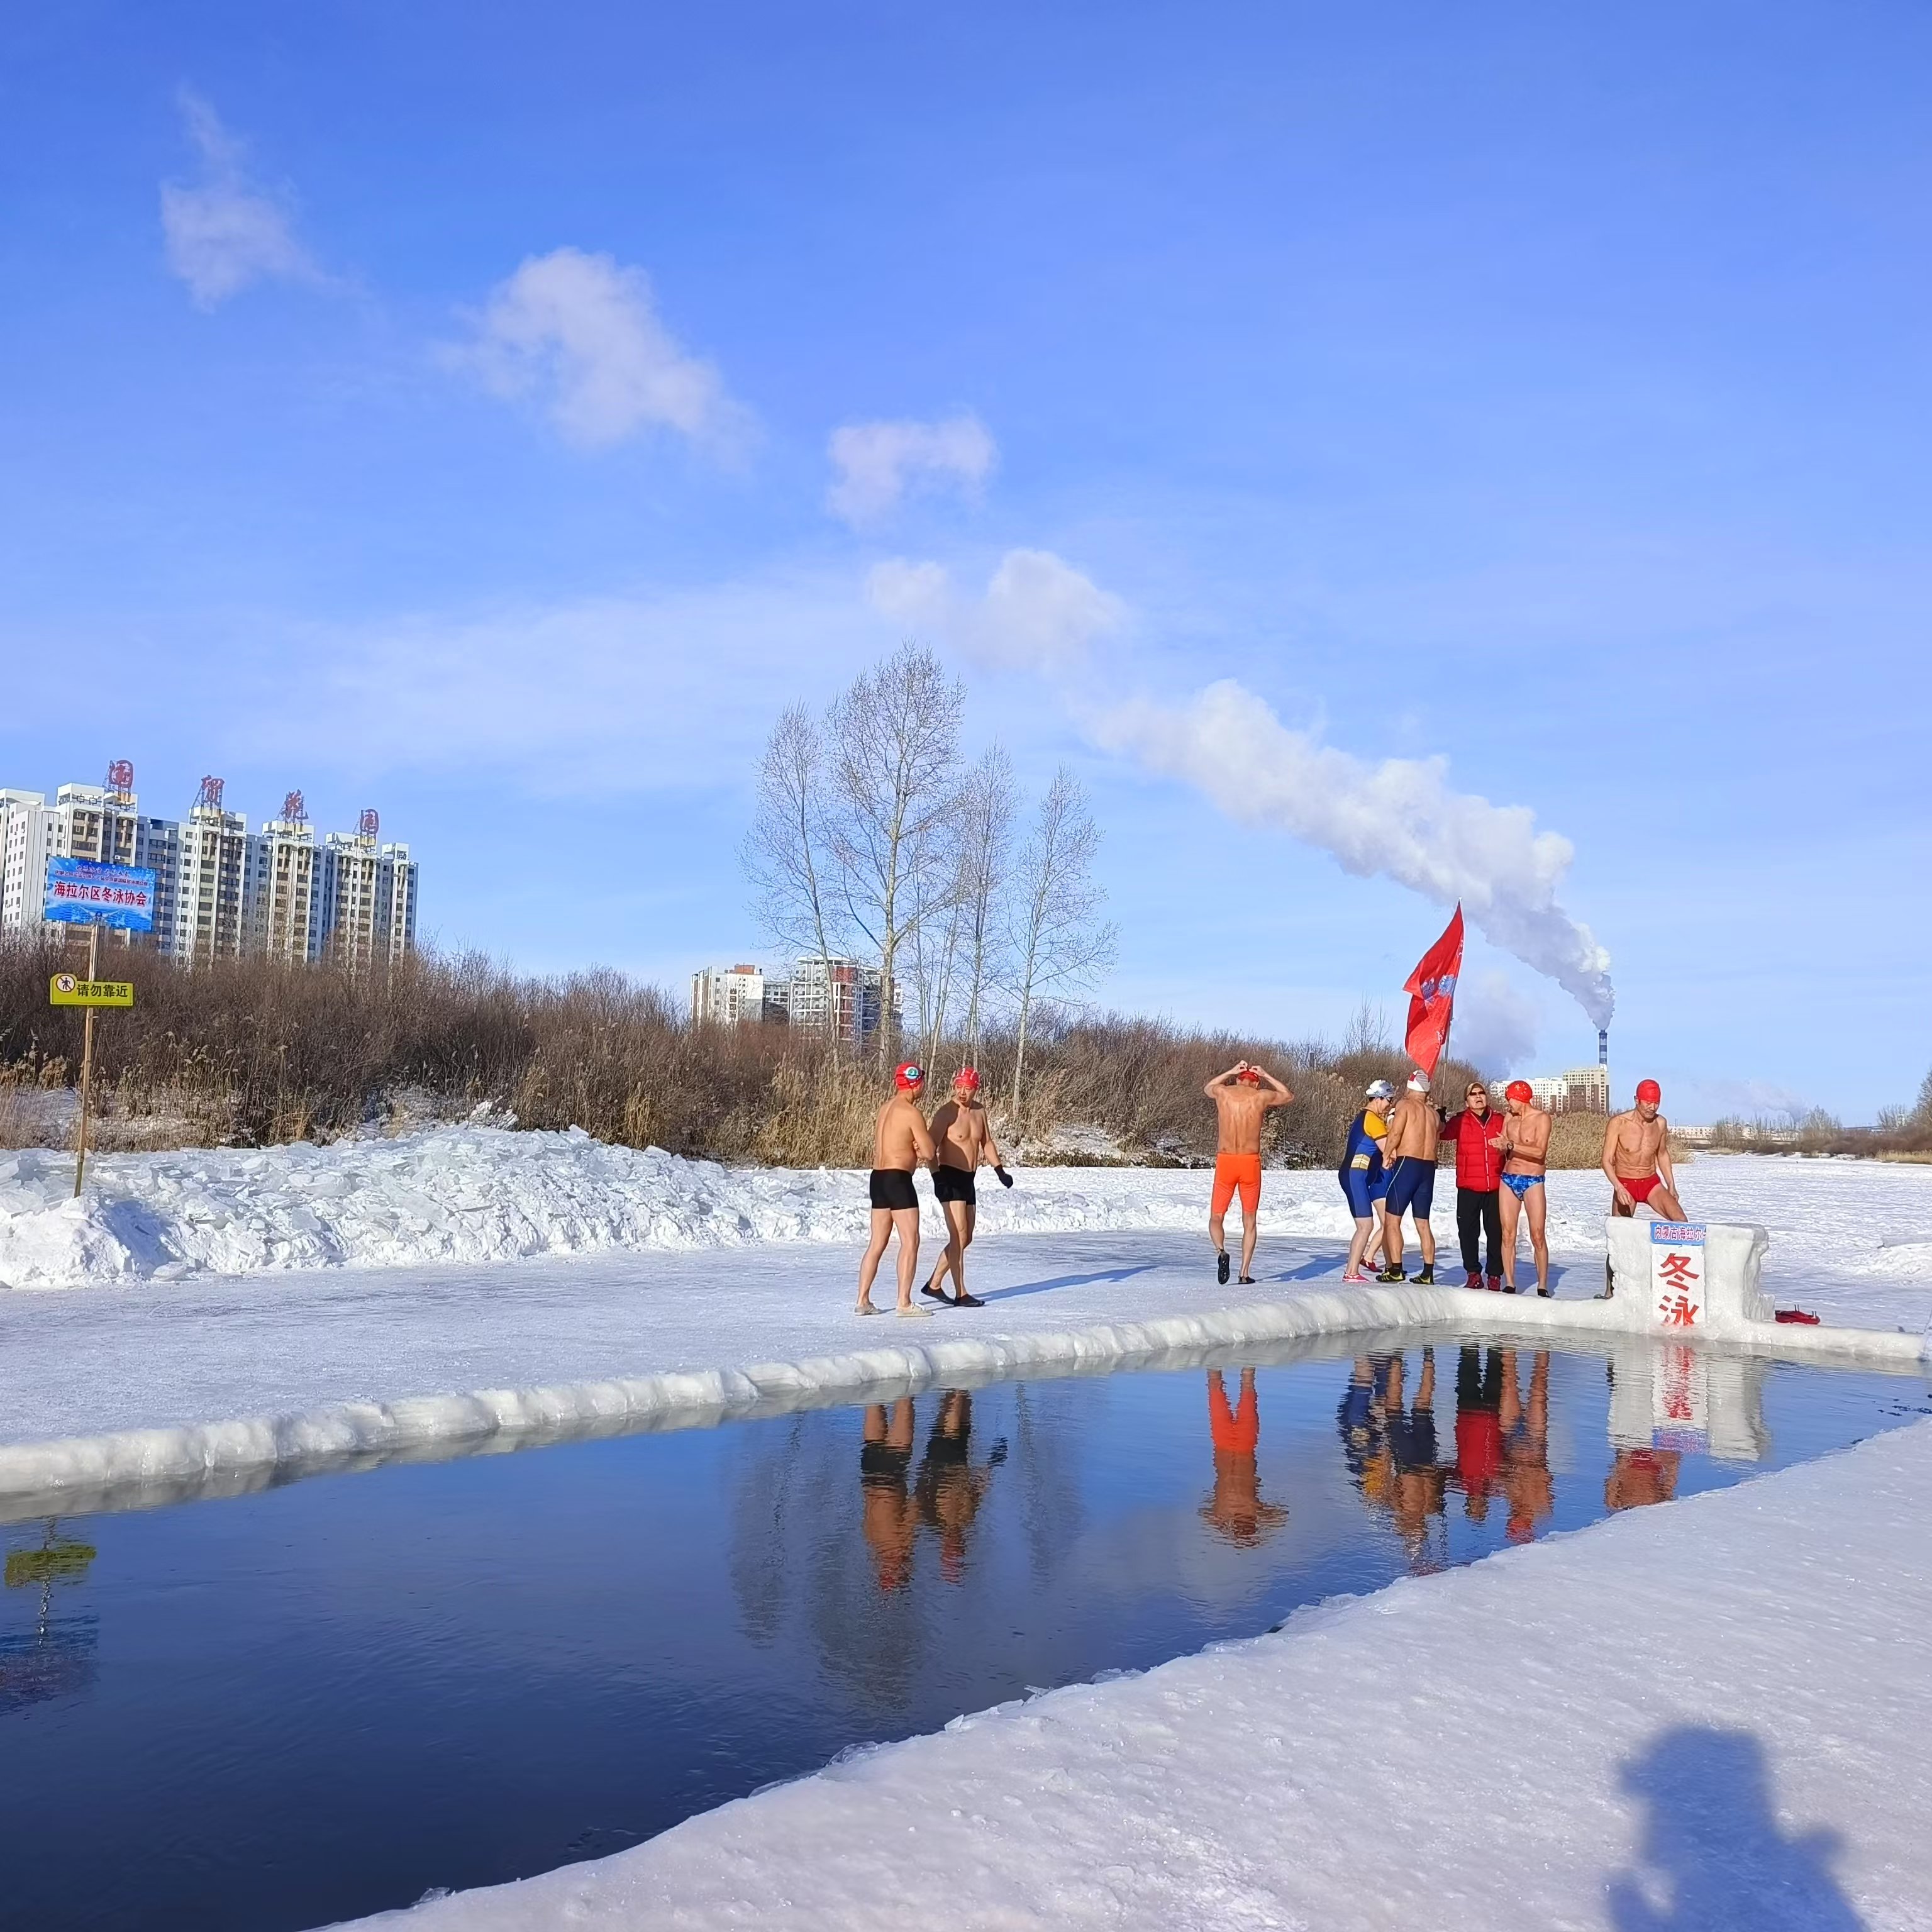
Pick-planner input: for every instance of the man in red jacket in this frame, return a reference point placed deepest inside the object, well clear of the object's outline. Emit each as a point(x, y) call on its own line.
point(1478, 1134)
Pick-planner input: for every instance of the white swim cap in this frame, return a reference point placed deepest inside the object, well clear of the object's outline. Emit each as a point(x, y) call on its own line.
point(1418, 1081)
point(1380, 1090)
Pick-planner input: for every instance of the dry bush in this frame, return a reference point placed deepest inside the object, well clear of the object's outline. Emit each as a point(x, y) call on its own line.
point(255, 1051)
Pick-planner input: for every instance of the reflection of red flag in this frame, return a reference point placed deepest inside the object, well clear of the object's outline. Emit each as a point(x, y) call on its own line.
point(1432, 992)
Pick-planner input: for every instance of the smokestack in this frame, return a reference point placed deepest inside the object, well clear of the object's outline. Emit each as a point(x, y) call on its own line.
point(1603, 1046)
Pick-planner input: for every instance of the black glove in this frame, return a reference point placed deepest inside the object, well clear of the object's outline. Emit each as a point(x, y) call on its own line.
point(1006, 1179)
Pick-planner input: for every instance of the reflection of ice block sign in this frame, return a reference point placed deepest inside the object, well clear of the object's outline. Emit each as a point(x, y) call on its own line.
point(1734, 1390)
point(1669, 1395)
point(1631, 1426)
point(1689, 1278)
point(1680, 1399)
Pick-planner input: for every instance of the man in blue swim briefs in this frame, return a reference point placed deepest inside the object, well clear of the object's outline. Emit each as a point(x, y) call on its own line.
point(1414, 1134)
point(1364, 1180)
point(1525, 1161)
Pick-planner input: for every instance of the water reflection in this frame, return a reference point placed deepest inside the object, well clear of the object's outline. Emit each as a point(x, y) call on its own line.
point(55, 1657)
point(1236, 1510)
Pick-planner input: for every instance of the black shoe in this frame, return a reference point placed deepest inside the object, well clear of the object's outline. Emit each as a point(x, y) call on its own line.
point(935, 1293)
point(1221, 1266)
point(1392, 1274)
point(967, 1301)
point(1245, 1280)
point(1427, 1276)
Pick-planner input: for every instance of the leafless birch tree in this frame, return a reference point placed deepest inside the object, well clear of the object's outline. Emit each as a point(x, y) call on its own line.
point(1060, 942)
point(985, 860)
point(787, 855)
point(894, 756)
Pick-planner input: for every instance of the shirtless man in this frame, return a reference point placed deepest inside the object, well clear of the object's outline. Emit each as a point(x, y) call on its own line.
point(901, 1141)
point(1526, 1161)
point(1243, 1097)
point(964, 1135)
point(1414, 1132)
point(1637, 1157)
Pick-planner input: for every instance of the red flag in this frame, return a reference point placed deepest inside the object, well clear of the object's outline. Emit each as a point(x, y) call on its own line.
point(1432, 992)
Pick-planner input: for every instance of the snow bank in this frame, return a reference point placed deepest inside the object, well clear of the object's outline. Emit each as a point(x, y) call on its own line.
point(475, 1195)
point(215, 1453)
point(1713, 1714)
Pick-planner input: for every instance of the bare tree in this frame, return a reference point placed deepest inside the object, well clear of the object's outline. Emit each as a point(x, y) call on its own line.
point(894, 757)
point(787, 853)
point(1060, 942)
point(986, 859)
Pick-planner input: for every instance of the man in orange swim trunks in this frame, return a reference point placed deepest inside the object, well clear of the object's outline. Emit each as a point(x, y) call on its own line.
point(1243, 1097)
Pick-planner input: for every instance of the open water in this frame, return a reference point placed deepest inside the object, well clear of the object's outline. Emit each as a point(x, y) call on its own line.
point(275, 1711)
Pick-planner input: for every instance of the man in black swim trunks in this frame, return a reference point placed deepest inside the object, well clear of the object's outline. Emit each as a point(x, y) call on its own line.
point(889, 1518)
point(900, 1142)
point(963, 1136)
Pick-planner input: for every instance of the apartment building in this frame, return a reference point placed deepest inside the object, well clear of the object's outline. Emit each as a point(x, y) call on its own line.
point(220, 891)
point(728, 995)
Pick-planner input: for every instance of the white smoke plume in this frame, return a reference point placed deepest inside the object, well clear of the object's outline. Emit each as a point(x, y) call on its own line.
point(1398, 820)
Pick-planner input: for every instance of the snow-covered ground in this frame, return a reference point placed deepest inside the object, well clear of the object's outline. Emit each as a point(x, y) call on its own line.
point(188, 1374)
point(475, 1195)
point(1713, 1717)
point(1672, 1703)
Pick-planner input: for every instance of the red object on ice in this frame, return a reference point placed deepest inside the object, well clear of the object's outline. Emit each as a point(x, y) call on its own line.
point(1432, 992)
point(1798, 1314)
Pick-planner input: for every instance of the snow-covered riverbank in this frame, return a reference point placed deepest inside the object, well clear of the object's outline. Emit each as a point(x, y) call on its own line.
point(472, 1196)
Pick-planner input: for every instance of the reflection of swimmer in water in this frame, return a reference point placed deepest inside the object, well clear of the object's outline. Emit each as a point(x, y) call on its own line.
point(1236, 1509)
point(950, 1489)
point(1526, 1478)
point(1639, 1477)
point(888, 1518)
point(1479, 1429)
point(1420, 1484)
point(1359, 1418)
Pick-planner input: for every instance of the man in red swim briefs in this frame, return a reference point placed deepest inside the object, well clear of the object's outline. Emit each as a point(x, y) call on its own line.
point(1637, 1158)
point(1243, 1097)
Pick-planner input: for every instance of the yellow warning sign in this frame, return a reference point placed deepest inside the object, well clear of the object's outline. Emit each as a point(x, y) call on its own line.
point(69, 989)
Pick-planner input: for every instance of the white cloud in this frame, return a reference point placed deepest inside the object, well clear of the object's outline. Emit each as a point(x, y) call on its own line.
point(1398, 820)
point(878, 463)
point(600, 695)
point(1495, 1027)
point(223, 232)
point(1037, 613)
point(581, 334)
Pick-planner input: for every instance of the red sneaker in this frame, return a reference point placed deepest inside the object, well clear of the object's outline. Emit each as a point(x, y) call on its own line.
point(1474, 1280)
point(1495, 1284)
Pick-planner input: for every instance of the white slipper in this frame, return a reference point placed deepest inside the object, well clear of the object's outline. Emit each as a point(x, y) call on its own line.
point(915, 1315)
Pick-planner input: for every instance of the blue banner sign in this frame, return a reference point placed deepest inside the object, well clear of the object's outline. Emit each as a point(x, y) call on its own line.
point(83, 892)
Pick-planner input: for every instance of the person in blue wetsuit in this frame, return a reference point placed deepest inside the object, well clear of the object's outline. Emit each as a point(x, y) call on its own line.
point(1364, 1180)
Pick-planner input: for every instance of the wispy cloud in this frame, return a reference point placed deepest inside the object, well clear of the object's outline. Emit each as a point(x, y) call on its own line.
point(1037, 612)
point(223, 231)
point(876, 465)
point(579, 334)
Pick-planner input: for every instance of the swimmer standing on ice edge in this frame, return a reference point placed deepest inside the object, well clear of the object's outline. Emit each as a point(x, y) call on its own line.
point(1242, 1097)
point(901, 1140)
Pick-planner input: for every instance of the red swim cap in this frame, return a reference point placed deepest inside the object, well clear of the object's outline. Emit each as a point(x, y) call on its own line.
point(910, 1075)
point(1648, 1089)
point(1520, 1089)
point(1249, 1077)
point(967, 1077)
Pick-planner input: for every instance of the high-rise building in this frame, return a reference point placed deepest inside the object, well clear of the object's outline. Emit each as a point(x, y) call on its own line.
point(838, 996)
point(728, 995)
point(220, 891)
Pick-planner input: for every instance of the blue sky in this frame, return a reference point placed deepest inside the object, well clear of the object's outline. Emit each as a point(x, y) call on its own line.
point(435, 408)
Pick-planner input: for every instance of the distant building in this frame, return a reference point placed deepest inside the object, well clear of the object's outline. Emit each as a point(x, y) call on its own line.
point(728, 995)
point(220, 891)
point(839, 996)
point(1583, 1090)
